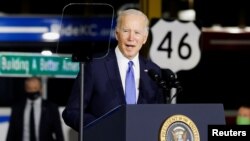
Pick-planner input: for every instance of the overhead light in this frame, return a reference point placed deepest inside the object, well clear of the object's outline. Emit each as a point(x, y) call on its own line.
point(46, 52)
point(187, 15)
point(51, 36)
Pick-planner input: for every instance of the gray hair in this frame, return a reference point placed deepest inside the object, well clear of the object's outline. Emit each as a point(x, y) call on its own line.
point(132, 12)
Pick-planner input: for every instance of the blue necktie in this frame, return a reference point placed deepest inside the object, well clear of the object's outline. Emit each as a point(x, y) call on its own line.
point(130, 90)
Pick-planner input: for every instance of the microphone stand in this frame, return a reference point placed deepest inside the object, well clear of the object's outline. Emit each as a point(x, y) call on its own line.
point(178, 91)
point(166, 91)
point(167, 98)
point(171, 82)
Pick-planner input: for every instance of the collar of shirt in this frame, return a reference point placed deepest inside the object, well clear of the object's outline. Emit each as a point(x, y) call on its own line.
point(36, 101)
point(121, 59)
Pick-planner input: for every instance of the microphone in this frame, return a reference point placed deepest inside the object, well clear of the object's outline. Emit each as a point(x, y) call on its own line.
point(156, 77)
point(167, 82)
point(168, 74)
point(160, 82)
point(171, 78)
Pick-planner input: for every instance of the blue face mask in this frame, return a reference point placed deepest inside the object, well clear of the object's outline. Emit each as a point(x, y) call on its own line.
point(33, 95)
point(240, 120)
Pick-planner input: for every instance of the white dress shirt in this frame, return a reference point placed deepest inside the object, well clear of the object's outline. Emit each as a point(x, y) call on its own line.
point(123, 67)
point(37, 114)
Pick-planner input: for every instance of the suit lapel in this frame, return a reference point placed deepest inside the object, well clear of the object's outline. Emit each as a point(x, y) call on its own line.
point(114, 75)
point(143, 67)
point(42, 120)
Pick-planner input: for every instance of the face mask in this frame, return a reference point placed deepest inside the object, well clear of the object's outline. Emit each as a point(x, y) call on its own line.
point(33, 95)
point(240, 120)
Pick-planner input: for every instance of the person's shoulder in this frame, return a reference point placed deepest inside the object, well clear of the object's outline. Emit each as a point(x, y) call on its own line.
point(101, 60)
point(18, 103)
point(149, 62)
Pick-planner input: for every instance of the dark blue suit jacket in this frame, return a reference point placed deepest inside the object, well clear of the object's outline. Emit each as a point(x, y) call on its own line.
point(103, 90)
point(50, 123)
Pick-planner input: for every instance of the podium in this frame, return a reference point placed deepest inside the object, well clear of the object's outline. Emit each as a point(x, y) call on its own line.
point(155, 122)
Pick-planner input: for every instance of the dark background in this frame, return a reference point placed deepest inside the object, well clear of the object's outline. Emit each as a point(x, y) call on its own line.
point(221, 76)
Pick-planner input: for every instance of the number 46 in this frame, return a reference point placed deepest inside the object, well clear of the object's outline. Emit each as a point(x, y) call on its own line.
point(181, 46)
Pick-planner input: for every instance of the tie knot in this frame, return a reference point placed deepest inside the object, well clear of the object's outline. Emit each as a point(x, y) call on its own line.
point(130, 63)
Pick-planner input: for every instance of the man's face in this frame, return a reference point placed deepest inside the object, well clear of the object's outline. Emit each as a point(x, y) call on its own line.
point(131, 35)
point(244, 111)
point(32, 85)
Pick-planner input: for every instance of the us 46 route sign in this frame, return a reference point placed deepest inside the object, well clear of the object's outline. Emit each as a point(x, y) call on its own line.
point(175, 44)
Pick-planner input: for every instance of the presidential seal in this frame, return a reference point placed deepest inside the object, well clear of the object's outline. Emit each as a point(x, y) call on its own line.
point(179, 128)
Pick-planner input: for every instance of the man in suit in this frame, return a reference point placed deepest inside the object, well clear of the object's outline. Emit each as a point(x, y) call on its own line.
point(46, 116)
point(104, 79)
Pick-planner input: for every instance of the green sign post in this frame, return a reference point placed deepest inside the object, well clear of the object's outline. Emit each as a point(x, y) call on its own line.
point(35, 64)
